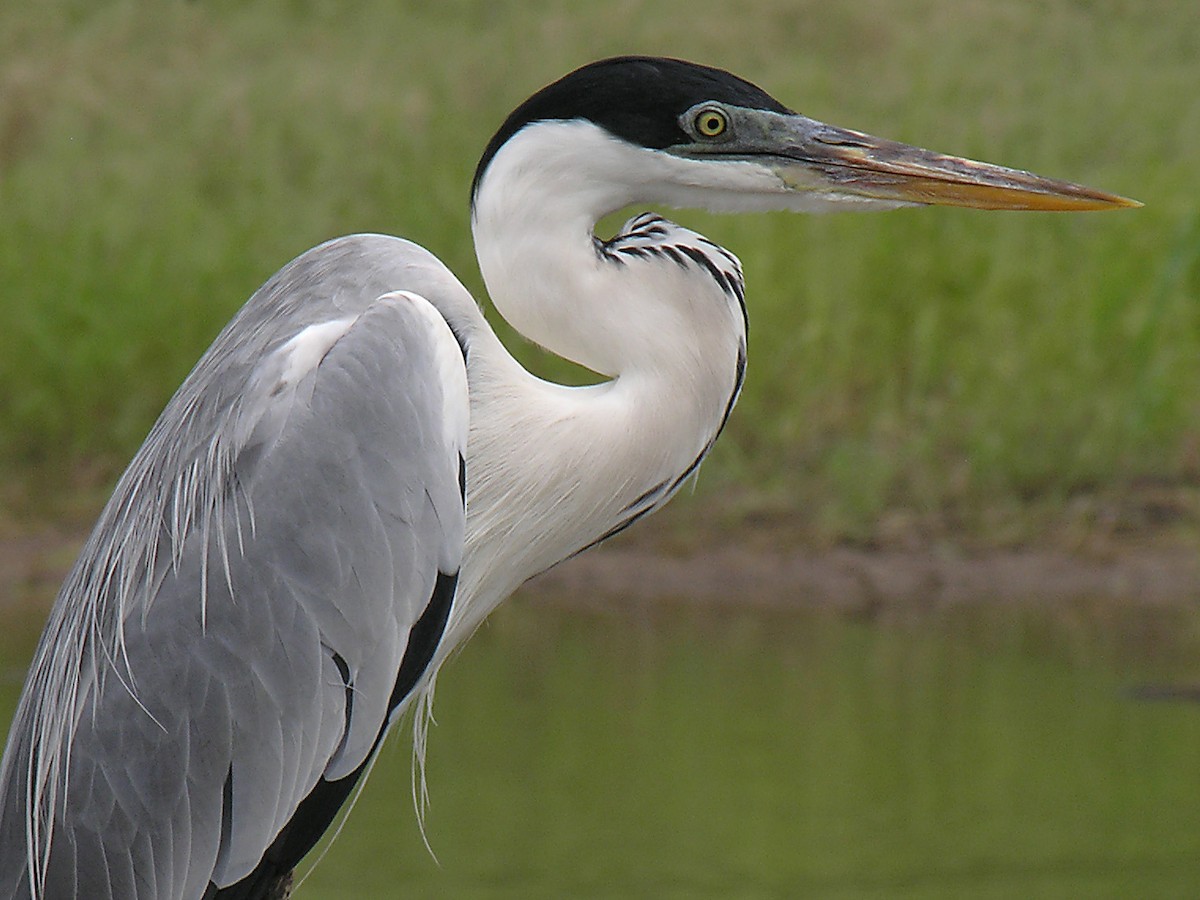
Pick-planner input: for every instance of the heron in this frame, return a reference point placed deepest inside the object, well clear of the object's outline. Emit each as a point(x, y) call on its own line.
point(357, 472)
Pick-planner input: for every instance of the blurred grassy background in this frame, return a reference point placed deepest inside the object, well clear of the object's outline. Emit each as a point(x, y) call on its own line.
point(922, 372)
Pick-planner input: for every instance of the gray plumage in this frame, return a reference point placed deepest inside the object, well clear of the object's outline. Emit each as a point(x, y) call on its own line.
point(261, 549)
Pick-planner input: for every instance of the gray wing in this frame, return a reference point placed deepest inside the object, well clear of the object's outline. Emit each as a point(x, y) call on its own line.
point(267, 586)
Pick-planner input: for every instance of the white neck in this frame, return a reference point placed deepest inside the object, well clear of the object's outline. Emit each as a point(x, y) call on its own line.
point(552, 469)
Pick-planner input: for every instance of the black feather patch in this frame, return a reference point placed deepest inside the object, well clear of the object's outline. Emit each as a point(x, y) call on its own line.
point(424, 637)
point(316, 811)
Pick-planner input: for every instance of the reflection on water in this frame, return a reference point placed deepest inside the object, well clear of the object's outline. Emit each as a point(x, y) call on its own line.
point(673, 752)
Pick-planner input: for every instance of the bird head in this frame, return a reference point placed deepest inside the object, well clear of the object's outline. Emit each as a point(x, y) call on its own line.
point(685, 135)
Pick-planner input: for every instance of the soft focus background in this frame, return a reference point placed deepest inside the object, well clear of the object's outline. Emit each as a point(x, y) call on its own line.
point(930, 382)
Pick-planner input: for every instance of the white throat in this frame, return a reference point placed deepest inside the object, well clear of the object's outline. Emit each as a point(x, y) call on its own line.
point(553, 469)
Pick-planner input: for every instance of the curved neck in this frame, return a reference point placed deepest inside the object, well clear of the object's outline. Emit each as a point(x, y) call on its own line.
point(533, 219)
point(552, 469)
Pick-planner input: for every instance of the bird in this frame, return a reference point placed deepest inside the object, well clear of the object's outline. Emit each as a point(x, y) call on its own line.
point(357, 472)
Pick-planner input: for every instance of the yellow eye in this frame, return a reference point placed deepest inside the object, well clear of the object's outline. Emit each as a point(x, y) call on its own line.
point(711, 123)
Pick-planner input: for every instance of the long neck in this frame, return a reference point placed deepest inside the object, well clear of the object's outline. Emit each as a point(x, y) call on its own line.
point(553, 469)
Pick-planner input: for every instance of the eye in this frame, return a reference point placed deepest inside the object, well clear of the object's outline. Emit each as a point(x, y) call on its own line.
point(710, 123)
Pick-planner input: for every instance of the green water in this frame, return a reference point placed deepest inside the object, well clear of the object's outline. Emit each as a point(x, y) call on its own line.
point(670, 752)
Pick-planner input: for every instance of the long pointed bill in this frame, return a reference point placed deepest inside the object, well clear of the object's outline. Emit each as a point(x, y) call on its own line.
point(892, 171)
point(810, 156)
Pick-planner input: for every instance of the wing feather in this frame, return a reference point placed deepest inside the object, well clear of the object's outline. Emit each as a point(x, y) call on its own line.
point(298, 510)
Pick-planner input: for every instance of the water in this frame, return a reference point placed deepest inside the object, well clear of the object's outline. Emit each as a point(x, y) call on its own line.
point(672, 752)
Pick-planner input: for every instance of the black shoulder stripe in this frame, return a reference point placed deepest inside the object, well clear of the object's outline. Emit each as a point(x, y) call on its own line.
point(316, 811)
point(273, 874)
point(424, 637)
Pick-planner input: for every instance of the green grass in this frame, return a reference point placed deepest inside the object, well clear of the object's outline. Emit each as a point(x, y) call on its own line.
point(159, 161)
